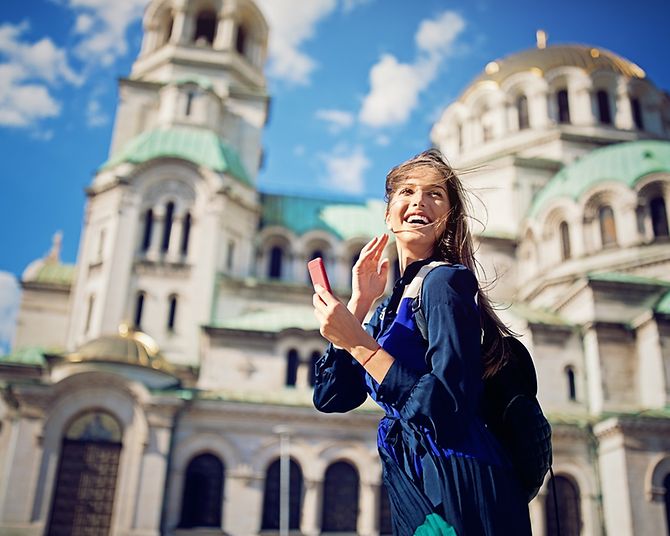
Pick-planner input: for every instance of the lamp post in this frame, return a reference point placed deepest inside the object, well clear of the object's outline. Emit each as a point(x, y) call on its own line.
point(284, 476)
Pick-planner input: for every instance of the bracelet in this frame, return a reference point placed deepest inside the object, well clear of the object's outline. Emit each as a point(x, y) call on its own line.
point(371, 356)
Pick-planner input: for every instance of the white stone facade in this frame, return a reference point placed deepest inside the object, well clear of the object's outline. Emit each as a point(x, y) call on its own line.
point(230, 310)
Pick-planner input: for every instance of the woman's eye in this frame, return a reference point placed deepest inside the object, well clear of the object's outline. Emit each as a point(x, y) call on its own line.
point(436, 193)
point(405, 191)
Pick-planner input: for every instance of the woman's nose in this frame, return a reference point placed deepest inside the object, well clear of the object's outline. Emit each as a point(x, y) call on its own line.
point(417, 198)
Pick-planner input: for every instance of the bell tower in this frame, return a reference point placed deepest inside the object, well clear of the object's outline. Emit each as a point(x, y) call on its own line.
point(175, 204)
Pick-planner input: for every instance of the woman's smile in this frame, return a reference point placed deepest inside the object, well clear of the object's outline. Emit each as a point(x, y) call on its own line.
point(417, 214)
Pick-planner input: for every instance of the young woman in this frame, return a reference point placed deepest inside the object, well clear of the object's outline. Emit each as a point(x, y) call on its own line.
point(444, 472)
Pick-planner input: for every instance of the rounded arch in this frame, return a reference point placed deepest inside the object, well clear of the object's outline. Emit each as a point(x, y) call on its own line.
point(76, 394)
point(654, 479)
point(364, 460)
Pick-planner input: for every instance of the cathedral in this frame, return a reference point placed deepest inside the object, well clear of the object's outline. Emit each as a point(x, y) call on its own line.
point(163, 383)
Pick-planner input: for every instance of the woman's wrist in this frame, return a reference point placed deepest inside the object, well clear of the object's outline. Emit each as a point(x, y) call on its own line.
point(359, 307)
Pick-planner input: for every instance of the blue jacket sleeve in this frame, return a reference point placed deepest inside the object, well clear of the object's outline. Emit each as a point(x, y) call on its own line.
point(442, 398)
point(339, 384)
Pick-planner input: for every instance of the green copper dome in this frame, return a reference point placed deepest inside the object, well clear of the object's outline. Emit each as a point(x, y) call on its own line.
point(202, 147)
point(344, 219)
point(623, 162)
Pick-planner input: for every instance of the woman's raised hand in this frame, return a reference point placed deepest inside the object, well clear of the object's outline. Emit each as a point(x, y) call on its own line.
point(369, 274)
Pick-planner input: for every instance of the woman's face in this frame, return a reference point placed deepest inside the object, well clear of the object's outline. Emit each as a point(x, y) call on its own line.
point(417, 212)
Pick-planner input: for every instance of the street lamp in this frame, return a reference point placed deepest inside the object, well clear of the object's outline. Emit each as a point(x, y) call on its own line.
point(284, 432)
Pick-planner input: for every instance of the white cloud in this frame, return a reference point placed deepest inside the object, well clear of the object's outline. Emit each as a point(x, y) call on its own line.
point(26, 72)
point(337, 120)
point(42, 60)
point(350, 5)
point(95, 115)
point(22, 104)
point(437, 36)
point(9, 306)
point(383, 140)
point(292, 23)
point(395, 87)
point(345, 169)
point(103, 26)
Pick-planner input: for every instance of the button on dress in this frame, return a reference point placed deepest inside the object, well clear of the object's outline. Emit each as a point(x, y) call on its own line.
point(444, 471)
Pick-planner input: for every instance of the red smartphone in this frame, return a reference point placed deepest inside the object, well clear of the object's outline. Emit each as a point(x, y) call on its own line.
point(317, 271)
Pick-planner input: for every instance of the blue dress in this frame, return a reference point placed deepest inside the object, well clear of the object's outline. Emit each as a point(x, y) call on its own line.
point(445, 473)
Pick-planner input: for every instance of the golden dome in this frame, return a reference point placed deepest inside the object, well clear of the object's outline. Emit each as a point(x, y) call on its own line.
point(544, 59)
point(129, 347)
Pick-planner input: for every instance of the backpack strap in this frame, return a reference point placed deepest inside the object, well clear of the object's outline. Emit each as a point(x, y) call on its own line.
point(413, 291)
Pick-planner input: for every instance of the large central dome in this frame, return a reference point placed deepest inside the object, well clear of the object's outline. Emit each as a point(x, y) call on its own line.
point(545, 59)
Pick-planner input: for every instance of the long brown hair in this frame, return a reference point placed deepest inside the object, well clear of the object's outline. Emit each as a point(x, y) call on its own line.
point(455, 246)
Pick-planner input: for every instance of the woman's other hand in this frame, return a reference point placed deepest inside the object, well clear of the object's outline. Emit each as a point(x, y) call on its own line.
point(368, 276)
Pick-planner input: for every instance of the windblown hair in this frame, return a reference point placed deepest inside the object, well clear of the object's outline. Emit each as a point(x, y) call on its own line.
point(455, 246)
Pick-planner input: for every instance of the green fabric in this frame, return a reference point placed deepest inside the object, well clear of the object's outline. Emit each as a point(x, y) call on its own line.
point(344, 219)
point(434, 525)
point(202, 147)
point(622, 162)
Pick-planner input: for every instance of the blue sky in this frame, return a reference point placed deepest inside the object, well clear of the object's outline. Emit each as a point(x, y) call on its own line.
point(336, 125)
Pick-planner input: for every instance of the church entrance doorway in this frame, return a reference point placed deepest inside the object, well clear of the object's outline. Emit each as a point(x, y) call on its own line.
point(86, 478)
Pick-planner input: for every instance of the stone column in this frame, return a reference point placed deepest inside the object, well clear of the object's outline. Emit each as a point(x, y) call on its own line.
point(311, 510)
point(367, 521)
point(624, 113)
point(594, 379)
point(178, 28)
point(153, 472)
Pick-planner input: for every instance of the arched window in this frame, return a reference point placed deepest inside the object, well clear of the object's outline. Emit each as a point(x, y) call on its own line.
point(569, 511)
point(385, 527)
point(190, 96)
point(659, 217)
point(340, 498)
point(205, 27)
point(148, 227)
point(272, 496)
point(89, 460)
point(203, 492)
point(564, 232)
point(185, 233)
point(312, 367)
point(459, 133)
point(167, 226)
point(168, 31)
point(276, 261)
point(292, 362)
point(607, 226)
point(241, 40)
point(172, 312)
point(604, 112)
point(636, 110)
point(522, 111)
point(230, 256)
point(139, 306)
point(563, 106)
point(570, 378)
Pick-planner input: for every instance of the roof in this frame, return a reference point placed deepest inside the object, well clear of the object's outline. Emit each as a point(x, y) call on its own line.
point(586, 57)
point(344, 219)
point(274, 319)
point(27, 355)
point(199, 146)
point(622, 162)
point(51, 273)
point(128, 346)
point(663, 305)
point(618, 277)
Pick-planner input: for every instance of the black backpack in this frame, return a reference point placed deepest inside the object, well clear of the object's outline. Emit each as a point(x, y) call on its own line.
point(512, 412)
point(509, 407)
